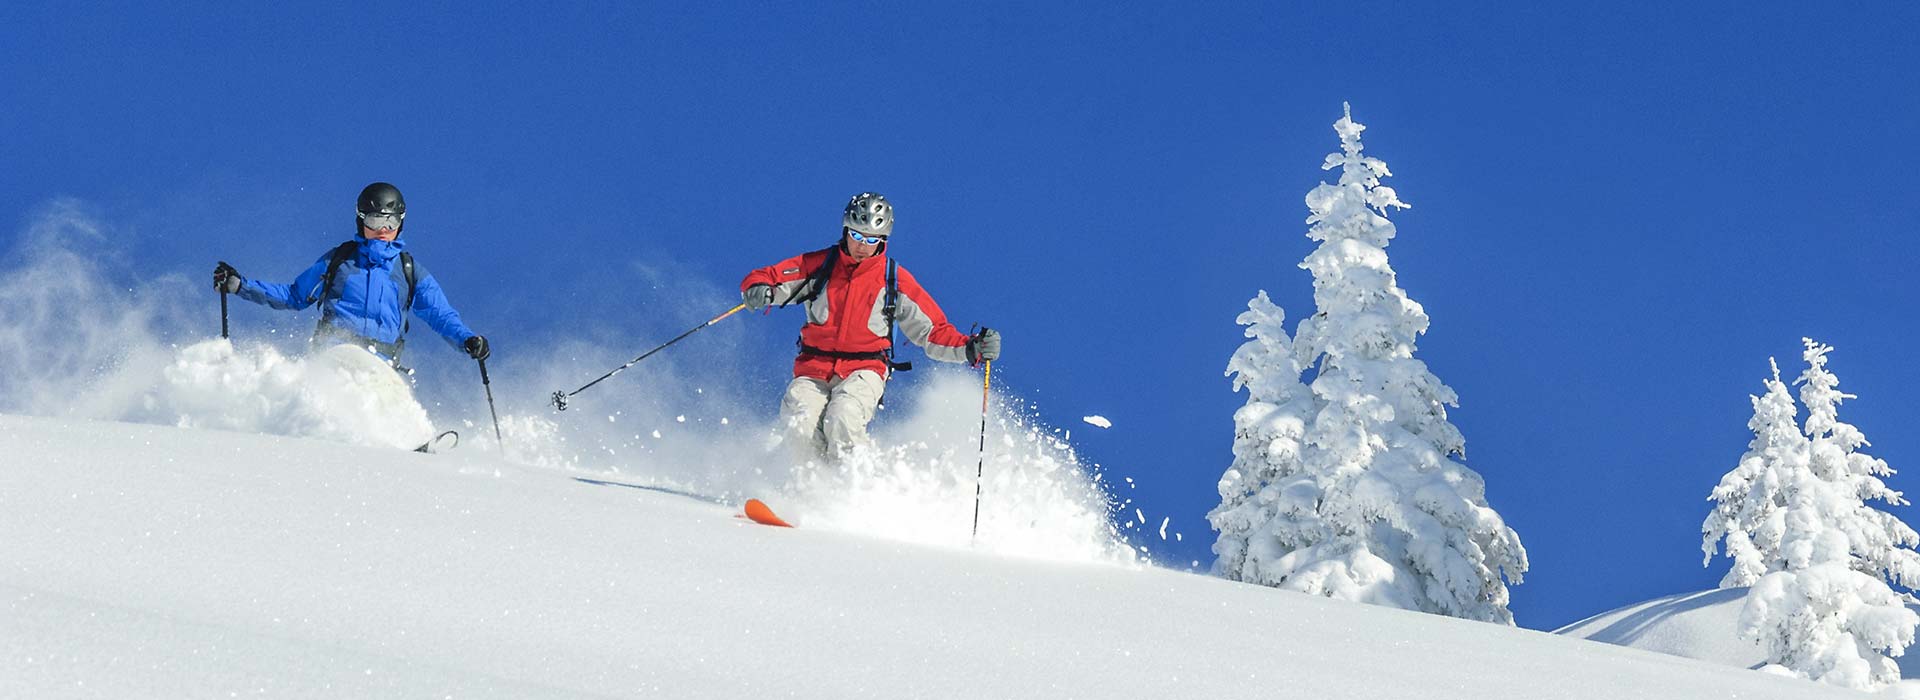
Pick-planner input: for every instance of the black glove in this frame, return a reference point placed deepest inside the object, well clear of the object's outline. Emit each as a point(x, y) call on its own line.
point(984, 346)
point(226, 279)
point(477, 347)
point(757, 297)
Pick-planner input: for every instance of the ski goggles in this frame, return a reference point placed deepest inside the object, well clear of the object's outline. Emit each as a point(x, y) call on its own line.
point(862, 238)
point(381, 220)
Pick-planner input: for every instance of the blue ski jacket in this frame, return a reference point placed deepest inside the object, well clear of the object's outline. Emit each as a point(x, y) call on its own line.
point(365, 297)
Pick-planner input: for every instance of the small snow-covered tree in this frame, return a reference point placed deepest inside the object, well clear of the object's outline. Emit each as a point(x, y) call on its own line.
point(1352, 488)
point(1751, 499)
point(1266, 445)
point(1796, 522)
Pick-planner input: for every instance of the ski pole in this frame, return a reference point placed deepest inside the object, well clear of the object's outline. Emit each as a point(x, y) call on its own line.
point(485, 382)
point(223, 312)
point(560, 397)
point(981, 468)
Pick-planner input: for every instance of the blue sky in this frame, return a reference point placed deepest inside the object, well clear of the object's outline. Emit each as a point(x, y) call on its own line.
point(1619, 213)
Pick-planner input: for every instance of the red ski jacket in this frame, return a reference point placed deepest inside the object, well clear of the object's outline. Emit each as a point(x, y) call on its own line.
point(846, 327)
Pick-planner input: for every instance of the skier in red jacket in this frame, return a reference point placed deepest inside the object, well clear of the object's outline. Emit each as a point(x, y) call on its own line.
point(854, 297)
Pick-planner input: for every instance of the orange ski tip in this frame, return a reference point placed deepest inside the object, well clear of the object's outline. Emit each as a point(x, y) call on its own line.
point(760, 513)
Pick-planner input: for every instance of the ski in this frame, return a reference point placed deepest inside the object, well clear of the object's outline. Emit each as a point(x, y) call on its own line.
point(760, 513)
point(434, 447)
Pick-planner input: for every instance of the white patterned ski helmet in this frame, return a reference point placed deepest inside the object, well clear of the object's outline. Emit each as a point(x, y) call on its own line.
point(869, 213)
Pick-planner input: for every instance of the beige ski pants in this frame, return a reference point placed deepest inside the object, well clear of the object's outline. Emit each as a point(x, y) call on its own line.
point(825, 419)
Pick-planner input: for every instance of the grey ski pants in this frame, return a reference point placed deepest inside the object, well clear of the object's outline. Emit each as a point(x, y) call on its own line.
point(824, 419)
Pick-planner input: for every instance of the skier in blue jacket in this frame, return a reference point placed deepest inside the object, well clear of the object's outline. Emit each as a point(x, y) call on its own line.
point(365, 286)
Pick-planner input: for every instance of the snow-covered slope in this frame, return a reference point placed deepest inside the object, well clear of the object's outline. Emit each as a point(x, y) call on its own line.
point(147, 561)
point(1699, 625)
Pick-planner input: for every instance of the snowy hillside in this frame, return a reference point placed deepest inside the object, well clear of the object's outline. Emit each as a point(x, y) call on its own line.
point(150, 561)
point(1699, 625)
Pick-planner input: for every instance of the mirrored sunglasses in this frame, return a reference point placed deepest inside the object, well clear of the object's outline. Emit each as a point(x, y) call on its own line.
point(869, 240)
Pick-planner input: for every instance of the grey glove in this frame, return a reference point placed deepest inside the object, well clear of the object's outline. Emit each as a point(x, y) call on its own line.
point(226, 279)
point(984, 346)
point(757, 297)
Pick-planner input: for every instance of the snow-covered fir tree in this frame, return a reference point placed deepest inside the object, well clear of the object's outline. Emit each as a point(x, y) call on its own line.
point(1266, 446)
point(1818, 558)
point(1352, 488)
point(1750, 498)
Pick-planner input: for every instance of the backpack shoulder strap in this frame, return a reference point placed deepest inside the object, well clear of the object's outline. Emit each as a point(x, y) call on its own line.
point(893, 305)
point(817, 282)
point(893, 294)
point(340, 255)
point(406, 319)
point(406, 267)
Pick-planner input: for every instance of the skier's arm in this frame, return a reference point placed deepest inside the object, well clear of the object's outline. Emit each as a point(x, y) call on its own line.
point(922, 322)
point(296, 296)
point(790, 278)
point(431, 307)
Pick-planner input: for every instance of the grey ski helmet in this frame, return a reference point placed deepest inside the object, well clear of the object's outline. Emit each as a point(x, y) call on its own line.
point(380, 198)
point(869, 213)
